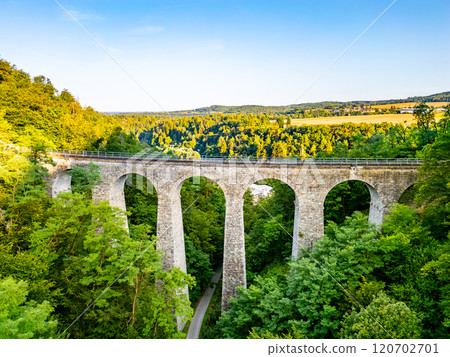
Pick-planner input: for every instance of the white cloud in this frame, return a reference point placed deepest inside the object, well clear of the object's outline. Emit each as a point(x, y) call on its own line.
point(84, 16)
point(214, 45)
point(145, 30)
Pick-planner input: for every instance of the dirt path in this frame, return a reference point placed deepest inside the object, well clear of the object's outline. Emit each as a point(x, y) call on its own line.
point(196, 324)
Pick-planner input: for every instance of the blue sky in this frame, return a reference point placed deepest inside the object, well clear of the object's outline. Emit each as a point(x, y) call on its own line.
point(189, 54)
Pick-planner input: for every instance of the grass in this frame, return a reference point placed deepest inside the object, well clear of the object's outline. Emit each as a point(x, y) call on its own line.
point(372, 119)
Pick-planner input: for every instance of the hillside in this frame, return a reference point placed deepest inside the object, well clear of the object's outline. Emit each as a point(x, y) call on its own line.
point(289, 109)
point(35, 110)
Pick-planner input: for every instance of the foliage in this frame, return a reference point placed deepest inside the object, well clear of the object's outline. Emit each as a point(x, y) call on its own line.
point(118, 141)
point(203, 204)
point(268, 226)
point(435, 173)
point(263, 306)
point(406, 249)
point(141, 201)
point(160, 303)
point(308, 299)
point(344, 199)
point(70, 251)
point(425, 116)
point(353, 262)
point(85, 179)
point(269, 335)
point(439, 270)
point(199, 266)
point(383, 318)
point(256, 136)
point(341, 258)
point(42, 117)
point(20, 317)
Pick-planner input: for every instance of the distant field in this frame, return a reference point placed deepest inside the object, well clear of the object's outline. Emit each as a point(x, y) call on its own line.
point(408, 105)
point(373, 119)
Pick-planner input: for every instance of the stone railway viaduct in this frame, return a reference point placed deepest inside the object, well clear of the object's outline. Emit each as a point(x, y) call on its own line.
point(311, 181)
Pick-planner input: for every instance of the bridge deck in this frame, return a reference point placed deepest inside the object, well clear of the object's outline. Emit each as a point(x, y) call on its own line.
point(208, 160)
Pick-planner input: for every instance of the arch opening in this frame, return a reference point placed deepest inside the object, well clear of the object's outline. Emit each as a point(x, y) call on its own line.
point(203, 210)
point(269, 215)
point(140, 200)
point(78, 179)
point(84, 179)
point(350, 196)
point(407, 198)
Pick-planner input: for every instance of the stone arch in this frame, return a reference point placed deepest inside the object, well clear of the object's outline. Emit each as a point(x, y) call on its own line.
point(118, 186)
point(61, 179)
point(376, 209)
point(294, 233)
point(402, 187)
point(252, 180)
point(215, 234)
point(116, 190)
point(179, 184)
point(406, 195)
point(181, 180)
point(117, 194)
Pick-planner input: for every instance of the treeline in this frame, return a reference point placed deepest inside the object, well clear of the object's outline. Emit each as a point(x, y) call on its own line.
point(34, 108)
point(339, 111)
point(258, 136)
point(40, 116)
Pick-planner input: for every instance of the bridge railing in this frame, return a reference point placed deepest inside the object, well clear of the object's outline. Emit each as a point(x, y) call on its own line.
point(152, 156)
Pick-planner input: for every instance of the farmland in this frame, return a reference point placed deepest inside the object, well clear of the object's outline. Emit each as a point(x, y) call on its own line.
point(356, 119)
point(408, 105)
point(373, 119)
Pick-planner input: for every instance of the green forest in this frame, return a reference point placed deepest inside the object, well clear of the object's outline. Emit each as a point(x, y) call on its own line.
point(64, 256)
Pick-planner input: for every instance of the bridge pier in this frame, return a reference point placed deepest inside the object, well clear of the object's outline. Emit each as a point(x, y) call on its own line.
point(308, 221)
point(114, 194)
point(170, 234)
point(170, 229)
point(381, 200)
point(61, 182)
point(296, 247)
point(377, 209)
point(234, 273)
